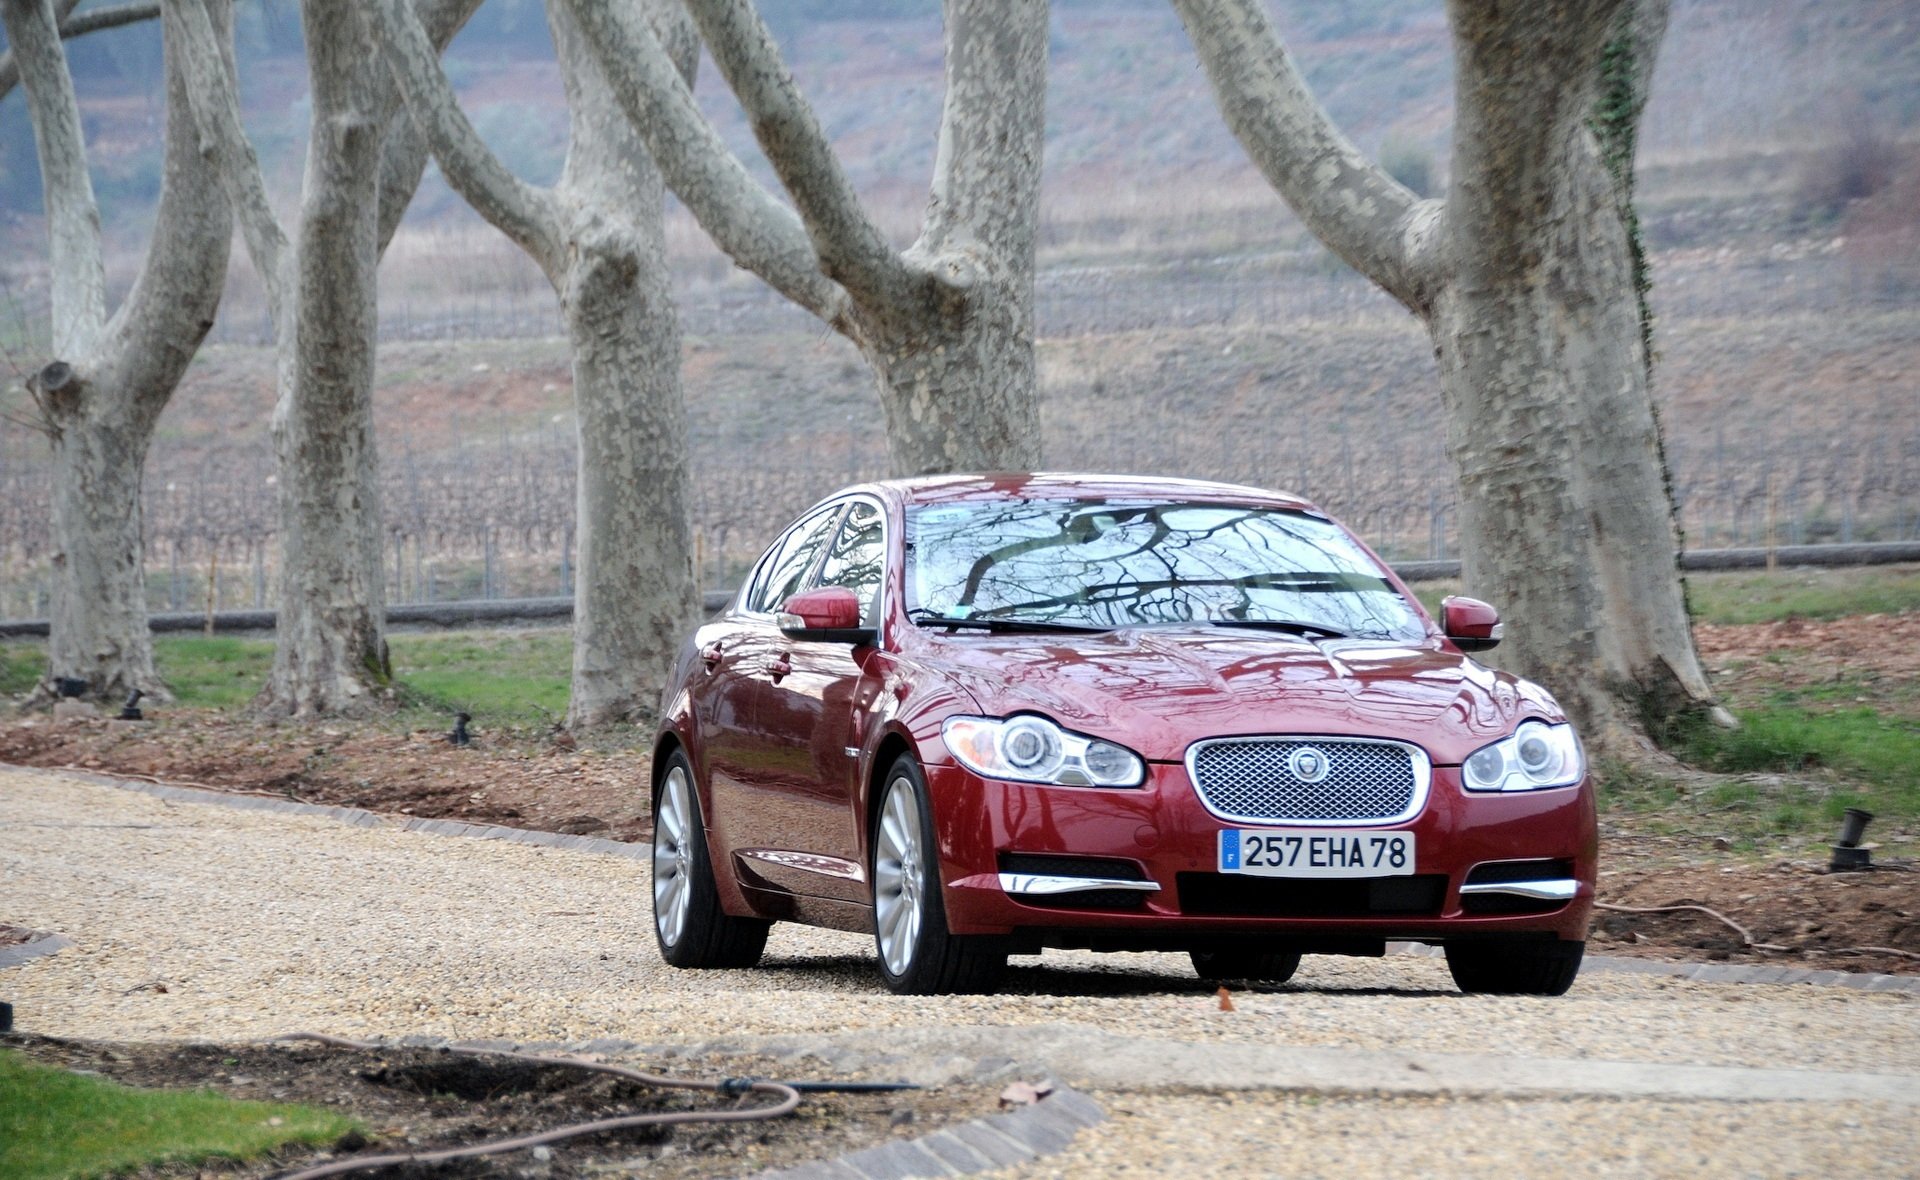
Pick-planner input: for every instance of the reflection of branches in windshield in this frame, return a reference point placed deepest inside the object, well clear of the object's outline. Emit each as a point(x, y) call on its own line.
point(1119, 593)
point(1075, 529)
point(1124, 564)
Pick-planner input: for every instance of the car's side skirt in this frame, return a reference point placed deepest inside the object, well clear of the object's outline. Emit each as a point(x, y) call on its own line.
point(810, 911)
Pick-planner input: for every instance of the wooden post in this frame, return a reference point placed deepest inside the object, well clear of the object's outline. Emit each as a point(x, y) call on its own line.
point(1772, 507)
point(213, 584)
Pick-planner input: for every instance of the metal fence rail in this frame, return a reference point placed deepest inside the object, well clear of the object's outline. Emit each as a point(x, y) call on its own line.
point(559, 611)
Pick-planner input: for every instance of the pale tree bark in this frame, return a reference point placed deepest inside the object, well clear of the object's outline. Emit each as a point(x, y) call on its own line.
point(599, 236)
point(330, 652)
point(101, 395)
point(948, 323)
point(1525, 278)
point(95, 21)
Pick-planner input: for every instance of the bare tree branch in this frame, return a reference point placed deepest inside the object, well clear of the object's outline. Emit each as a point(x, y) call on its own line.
point(403, 158)
point(986, 181)
point(216, 111)
point(79, 295)
point(524, 213)
point(170, 308)
point(1361, 213)
point(755, 229)
point(107, 18)
point(79, 26)
point(852, 250)
point(9, 72)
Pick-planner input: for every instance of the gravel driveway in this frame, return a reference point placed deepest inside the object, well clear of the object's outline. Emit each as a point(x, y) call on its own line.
point(204, 922)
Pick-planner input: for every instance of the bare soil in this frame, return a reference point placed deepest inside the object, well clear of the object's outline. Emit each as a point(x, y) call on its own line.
point(428, 1099)
point(1876, 656)
point(1800, 914)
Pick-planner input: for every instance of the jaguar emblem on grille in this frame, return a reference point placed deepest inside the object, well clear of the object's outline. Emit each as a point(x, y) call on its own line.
point(1308, 764)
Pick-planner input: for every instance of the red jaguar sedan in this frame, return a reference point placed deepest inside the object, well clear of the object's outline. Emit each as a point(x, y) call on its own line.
point(979, 716)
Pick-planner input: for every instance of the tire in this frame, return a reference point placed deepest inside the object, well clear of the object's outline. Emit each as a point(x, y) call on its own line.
point(918, 956)
point(1514, 967)
point(1262, 966)
point(688, 923)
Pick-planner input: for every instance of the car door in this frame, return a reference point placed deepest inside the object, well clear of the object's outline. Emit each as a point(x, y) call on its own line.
point(814, 710)
point(735, 652)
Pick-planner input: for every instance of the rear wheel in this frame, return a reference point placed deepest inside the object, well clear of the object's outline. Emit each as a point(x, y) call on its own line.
point(692, 929)
point(1515, 968)
point(1256, 965)
point(917, 954)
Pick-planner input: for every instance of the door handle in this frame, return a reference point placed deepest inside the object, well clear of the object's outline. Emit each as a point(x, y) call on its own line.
point(782, 665)
point(710, 655)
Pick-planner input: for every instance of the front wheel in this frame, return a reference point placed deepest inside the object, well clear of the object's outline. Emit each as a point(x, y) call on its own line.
point(918, 956)
point(1515, 968)
point(688, 923)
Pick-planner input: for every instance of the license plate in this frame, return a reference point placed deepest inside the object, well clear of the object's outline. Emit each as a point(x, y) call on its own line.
point(1315, 852)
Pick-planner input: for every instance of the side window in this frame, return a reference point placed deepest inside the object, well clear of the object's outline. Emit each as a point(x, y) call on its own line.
point(782, 573)
point(855, 561)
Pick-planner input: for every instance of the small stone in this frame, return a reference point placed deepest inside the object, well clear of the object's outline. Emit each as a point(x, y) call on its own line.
point(543, 1153)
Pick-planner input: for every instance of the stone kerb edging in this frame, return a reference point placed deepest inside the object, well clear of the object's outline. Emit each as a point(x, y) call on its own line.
point(359, 817)
point(46, 944)
point(977, 1145)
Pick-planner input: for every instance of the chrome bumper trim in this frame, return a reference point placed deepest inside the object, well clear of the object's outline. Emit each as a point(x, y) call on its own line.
point(1542, 890)
point(1030, 885)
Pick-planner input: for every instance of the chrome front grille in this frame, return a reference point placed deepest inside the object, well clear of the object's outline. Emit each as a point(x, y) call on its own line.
point(1254, 779)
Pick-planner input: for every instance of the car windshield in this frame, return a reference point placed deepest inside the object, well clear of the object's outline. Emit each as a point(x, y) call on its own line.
point(1109, 563)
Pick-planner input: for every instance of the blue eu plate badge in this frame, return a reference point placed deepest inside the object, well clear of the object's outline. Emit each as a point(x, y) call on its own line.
point(1229, 850)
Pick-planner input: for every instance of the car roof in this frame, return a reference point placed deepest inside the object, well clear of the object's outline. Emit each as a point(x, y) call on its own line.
point(1043, 485)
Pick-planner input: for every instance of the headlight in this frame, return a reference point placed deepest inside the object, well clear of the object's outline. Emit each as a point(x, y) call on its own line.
point(1032, 749)
point(1538, 755)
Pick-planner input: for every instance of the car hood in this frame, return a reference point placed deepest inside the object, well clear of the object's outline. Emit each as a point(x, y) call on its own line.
point(1159, 690)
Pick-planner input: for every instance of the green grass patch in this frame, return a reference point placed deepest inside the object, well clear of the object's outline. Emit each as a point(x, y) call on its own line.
point(1761, 596)
point(1855, 757)
point(503, 678)
point(21, 664)
point(55, 1124)
point(218, 671)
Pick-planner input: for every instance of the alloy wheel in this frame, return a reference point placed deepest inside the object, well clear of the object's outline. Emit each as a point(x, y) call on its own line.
point(672, 858)
point(898, 878)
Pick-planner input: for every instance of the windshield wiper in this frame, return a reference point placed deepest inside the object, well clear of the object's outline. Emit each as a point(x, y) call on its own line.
point(927, 618)
point(1289, 625)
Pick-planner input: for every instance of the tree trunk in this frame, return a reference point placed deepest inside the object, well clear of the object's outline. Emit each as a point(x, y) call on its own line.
point(948, 324)
point(97, 625)
point(957, 383)
point(956, 367)
point(113, 378)
point(330, 654)
point(1525, 278)
point(634, 598)
point(1566, 515)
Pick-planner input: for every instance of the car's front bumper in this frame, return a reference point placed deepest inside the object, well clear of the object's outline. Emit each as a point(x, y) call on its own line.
point(1153, 852)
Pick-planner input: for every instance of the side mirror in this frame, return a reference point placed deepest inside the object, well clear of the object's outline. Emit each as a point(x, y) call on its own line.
point(1470, 623)
point(830, 614)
